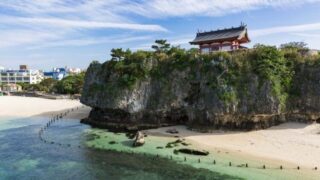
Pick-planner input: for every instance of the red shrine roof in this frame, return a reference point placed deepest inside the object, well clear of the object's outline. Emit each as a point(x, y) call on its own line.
point(238, 33)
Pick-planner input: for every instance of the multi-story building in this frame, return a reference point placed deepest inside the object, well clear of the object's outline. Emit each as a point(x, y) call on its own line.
point(74, 70)
point(60, 73)
point(21, 76)
point(56, 73)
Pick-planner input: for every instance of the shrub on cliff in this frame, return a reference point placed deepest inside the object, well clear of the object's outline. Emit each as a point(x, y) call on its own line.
point(270, 64)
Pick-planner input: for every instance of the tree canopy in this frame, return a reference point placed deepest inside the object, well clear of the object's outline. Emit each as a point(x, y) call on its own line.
point(161, 45)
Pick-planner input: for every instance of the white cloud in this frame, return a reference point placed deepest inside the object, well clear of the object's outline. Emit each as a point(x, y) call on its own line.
point(307, 35)
point(285, 29)
point(182, 8)
point(62, 23)
point(92, 41)
point(24, 37)
point(29, 22)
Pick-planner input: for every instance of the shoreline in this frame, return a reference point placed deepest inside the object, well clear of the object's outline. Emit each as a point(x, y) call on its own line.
point(225, 145)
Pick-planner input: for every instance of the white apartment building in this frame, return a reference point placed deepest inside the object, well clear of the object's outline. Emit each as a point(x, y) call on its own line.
point(20, 76)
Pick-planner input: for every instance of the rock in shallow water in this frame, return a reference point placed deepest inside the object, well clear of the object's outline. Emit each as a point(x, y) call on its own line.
point(139, 139)
point(172, 131)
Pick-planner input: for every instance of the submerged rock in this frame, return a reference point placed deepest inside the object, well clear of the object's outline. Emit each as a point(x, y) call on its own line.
point(172, 131)
point(113, 142)
point(139, 139)
point(192, 152)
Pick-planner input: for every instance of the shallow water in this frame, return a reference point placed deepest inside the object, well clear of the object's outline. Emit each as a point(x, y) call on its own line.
point(24, 156)
point(156, 146)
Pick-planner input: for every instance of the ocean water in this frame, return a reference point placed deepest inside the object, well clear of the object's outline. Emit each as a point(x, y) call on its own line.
point(76, 151)
point(24, 156)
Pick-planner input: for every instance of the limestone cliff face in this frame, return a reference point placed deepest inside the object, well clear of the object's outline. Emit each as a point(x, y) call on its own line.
point(195, 96)
point(304, 103)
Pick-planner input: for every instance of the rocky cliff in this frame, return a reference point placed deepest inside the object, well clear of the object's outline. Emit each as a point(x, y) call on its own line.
point(209, 92)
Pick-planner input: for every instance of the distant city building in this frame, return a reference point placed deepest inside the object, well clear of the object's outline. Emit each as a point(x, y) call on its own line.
point(2, 68)
point(21, 76)
point(222, 40)
point(11, 88)
point(56, 73)
point(24, 67)
point(74, 70)
point(60, 73)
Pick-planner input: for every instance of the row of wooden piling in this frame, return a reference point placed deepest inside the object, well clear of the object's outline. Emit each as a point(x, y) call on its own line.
point(246, 165)
point(54, 119)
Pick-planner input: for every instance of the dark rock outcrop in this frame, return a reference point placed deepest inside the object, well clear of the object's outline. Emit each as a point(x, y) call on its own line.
point(192, 152)
point(178, 99)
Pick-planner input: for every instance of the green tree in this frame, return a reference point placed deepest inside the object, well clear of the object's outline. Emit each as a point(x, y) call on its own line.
point(48, 84)
point(118, 54)
point(161, 45)
point(70, 85)
point(294, 45)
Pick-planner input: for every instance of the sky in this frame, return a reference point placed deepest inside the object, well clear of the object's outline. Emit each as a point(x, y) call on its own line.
point(57, 33)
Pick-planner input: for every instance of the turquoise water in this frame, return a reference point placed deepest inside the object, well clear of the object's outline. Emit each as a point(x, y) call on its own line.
point(24, 156)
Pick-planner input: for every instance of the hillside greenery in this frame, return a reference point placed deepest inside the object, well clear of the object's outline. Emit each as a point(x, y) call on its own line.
point(225, 72)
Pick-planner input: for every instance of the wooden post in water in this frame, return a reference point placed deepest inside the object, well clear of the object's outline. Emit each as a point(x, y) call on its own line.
point(230, 164)
point(214, 161)
point(264, 166)
point(281, 167)
point(247, 165)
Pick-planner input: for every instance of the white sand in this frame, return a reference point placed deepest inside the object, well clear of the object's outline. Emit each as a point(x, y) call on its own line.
point(28, 106)
point(294, 143)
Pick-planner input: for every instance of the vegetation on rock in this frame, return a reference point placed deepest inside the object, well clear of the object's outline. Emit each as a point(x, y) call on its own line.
point(223, 71)
point(172, 85)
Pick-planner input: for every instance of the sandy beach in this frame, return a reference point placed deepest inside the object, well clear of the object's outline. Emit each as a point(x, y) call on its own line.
point(29, 106)
point(289, 143)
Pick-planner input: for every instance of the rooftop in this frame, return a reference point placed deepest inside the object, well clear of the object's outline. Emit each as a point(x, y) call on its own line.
point(223, 34)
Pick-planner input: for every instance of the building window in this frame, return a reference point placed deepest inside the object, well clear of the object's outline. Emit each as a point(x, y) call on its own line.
point(215, 48)
point(226, 48)
point(205, 50)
